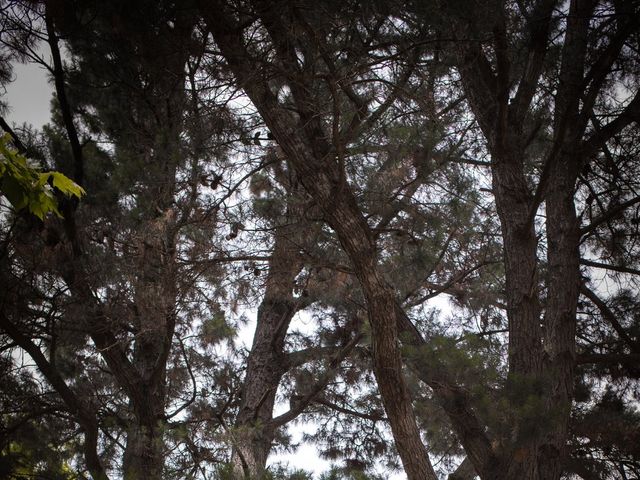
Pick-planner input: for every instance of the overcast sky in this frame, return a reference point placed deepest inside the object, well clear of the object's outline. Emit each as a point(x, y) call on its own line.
point(29, 96)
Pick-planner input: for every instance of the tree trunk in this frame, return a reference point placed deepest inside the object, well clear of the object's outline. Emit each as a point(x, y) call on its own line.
point(541, 358)
point(563, 258)
point(267, 362)
point(155, 304)
point(144, 453)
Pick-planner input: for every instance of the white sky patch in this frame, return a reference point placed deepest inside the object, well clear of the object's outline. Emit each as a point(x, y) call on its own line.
point(29, 96)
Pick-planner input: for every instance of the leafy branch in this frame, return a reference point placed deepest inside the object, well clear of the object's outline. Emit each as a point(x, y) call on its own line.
point(25, 186)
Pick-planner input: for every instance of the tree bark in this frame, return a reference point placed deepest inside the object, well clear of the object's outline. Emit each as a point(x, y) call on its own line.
point(316, 170)
point(155, 296)
point(548, 370)
point(265, 368)
point(267, 361)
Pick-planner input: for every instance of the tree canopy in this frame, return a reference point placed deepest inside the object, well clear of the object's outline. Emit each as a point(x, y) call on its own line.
point(410, 226)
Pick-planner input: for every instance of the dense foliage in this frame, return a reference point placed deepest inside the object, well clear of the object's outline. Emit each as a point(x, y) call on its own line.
point(407, 228)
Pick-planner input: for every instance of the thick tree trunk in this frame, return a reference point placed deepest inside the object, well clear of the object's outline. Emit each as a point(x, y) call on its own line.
point(563, 235)
point(145, 448)
point(355, 237)
point(144, 452)
point(266, 364)
point(563, 257)
point(513, 202)
point(155, 304)
point(541, 350)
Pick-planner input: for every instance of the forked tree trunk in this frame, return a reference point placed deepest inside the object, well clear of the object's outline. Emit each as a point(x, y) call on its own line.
point(267, 362)
point(541, 349)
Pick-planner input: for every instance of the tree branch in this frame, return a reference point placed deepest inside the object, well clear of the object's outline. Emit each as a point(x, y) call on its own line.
point(83, 413)
point(598, 139)
point(324, 380)
point(608, 215)
point(465, 471)
point(61, 92)
point(611, 317)
point(606, 266)
point(539, 25)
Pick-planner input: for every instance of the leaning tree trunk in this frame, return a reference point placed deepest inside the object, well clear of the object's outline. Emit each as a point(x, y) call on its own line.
point(342, 214)
point(305, 144)
point(253, 437)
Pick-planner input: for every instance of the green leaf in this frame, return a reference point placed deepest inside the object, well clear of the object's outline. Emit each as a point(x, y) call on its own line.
point(43, 204)
point(24, 186)
point(66, 185)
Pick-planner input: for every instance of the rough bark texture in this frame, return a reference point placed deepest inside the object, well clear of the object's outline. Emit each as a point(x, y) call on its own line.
point(542, 358)
point(267, 360)
point(253, 438)
point(143, 378)
point(155, 303)
point(304, 143)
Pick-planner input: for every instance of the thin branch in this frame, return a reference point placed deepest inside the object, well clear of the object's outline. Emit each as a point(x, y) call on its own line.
point(596, 141)
point(630, 359)
point(300, 357)
point(608, 215)
point(194, 392)
point(348, 411)
point(611, 317)
point(606, 266)
point(319, 385)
